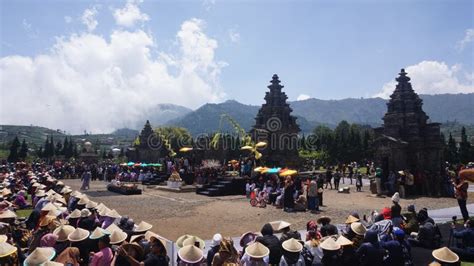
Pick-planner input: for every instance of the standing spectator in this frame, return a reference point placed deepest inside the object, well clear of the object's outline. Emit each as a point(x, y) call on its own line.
point(313, 200)
point(337, 179)
point(328, 177)
point(461, 186)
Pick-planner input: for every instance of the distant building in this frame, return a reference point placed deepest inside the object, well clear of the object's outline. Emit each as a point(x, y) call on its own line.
point(275, 125)
point(88, 154)
point(407, 141)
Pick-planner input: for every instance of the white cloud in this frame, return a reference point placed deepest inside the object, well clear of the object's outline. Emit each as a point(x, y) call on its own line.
point(302, 97)
point(88, 18)
point(130, 14)
point(468, 38)
point(99, 83)
point(30, 31)
point(432, 77)
point(67, 19)
point(208, 4)
point(234, 36)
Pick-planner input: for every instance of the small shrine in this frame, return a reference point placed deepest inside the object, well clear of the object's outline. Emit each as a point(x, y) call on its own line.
point(276, 126)
point(407, 141)
point(88, 153)
point(147, 147)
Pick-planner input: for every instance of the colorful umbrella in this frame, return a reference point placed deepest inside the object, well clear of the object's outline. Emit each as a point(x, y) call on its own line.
point(144, 165)
point(272, 170)
point(289, 173)
point(260, 169)
point(130, 163)
point(185, 149)
point(247, 148)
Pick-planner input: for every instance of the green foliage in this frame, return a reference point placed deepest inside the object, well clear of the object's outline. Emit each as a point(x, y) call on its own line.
point(13, 156)
point(23, 153)
point(465, 149)
point(346, 143)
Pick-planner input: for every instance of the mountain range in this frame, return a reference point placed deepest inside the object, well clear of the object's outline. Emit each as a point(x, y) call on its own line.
point(312, 112)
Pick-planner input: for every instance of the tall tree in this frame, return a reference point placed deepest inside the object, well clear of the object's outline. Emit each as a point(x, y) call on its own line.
point(51, 147)
point(451, 150)
point(464, 147)
point(23, 151)
point(64, 151)
point(59, 148)
point(13, 156)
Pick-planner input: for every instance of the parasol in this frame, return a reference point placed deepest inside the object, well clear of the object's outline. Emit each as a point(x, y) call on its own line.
point(261, 144)
point(185, 149)
point(246, 148)
point(130, 163)
point(288, 173)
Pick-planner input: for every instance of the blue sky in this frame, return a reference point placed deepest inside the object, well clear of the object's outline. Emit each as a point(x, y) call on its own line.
point(321, 49)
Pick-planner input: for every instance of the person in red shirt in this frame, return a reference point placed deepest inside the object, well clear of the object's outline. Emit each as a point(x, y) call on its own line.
point(461, 186)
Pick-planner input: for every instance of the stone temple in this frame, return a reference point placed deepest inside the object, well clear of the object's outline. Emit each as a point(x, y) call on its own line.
point(407, 140)
point(146, 148)
point(275, 125)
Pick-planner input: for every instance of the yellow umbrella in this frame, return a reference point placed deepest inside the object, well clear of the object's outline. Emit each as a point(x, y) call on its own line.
point(185, 149)
point(260, 169)
point(261, 144)
point(247, 148)
point(288, 173)
point(258, 155)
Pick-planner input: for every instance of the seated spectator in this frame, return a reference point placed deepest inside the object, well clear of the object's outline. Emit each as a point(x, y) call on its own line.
point(271, 242)
point(370, 252)
point(466, 249)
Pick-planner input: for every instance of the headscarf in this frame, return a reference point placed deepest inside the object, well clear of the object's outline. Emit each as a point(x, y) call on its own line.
point(69, 255)
point(48, 240)
point(312, 231)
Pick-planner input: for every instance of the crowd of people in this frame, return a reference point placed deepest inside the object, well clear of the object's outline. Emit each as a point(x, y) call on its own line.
point(65, 227)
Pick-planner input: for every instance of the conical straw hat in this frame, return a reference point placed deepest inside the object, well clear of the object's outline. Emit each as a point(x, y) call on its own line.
point(112, 214)
point(190, 254)
point(7, 214)
point(444, 254)
point(40, 193)
point(358, 228)
point(113, 227)
point(91, 204)
point(193, 240)
point(83, 201)
point(98, 233)
point(257, 250)
point(104, 211)
point(330, 244)
point(143, 227)
point(75, 214)
point(180, 241)
point(3, 238)
point(63, 232)
point(66, 190)
point(341, 240)
point(6, 249)
point(351, 219)
point(278, 225)
point(40, 256)
point(292, 245)
point(78, 235)
point(117, 237)
point(100, 207)
point(49, 207)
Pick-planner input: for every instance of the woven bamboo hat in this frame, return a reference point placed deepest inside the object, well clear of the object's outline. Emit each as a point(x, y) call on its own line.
point(7, 214)
point(98, 233)
point(78, 235)
point(351, 219)
point(75, 214)
point(63, 232)
point(358, 228)
point(279, 225)
point(52, 263)
point(191, 240)
point(40, 256)
point(191, 254)
point(112, 228)
point(83, 201)
point(292, 245)
point(343, 241)
point(117, 237)
point(330, 244)
point(6, 249)
point(91, 204)
point(257, 250)
point(3, 238)
point(444, 254)
point(143, 227)
point(112, 214)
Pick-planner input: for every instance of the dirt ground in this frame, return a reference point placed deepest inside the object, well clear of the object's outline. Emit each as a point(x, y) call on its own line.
point(174, 214)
